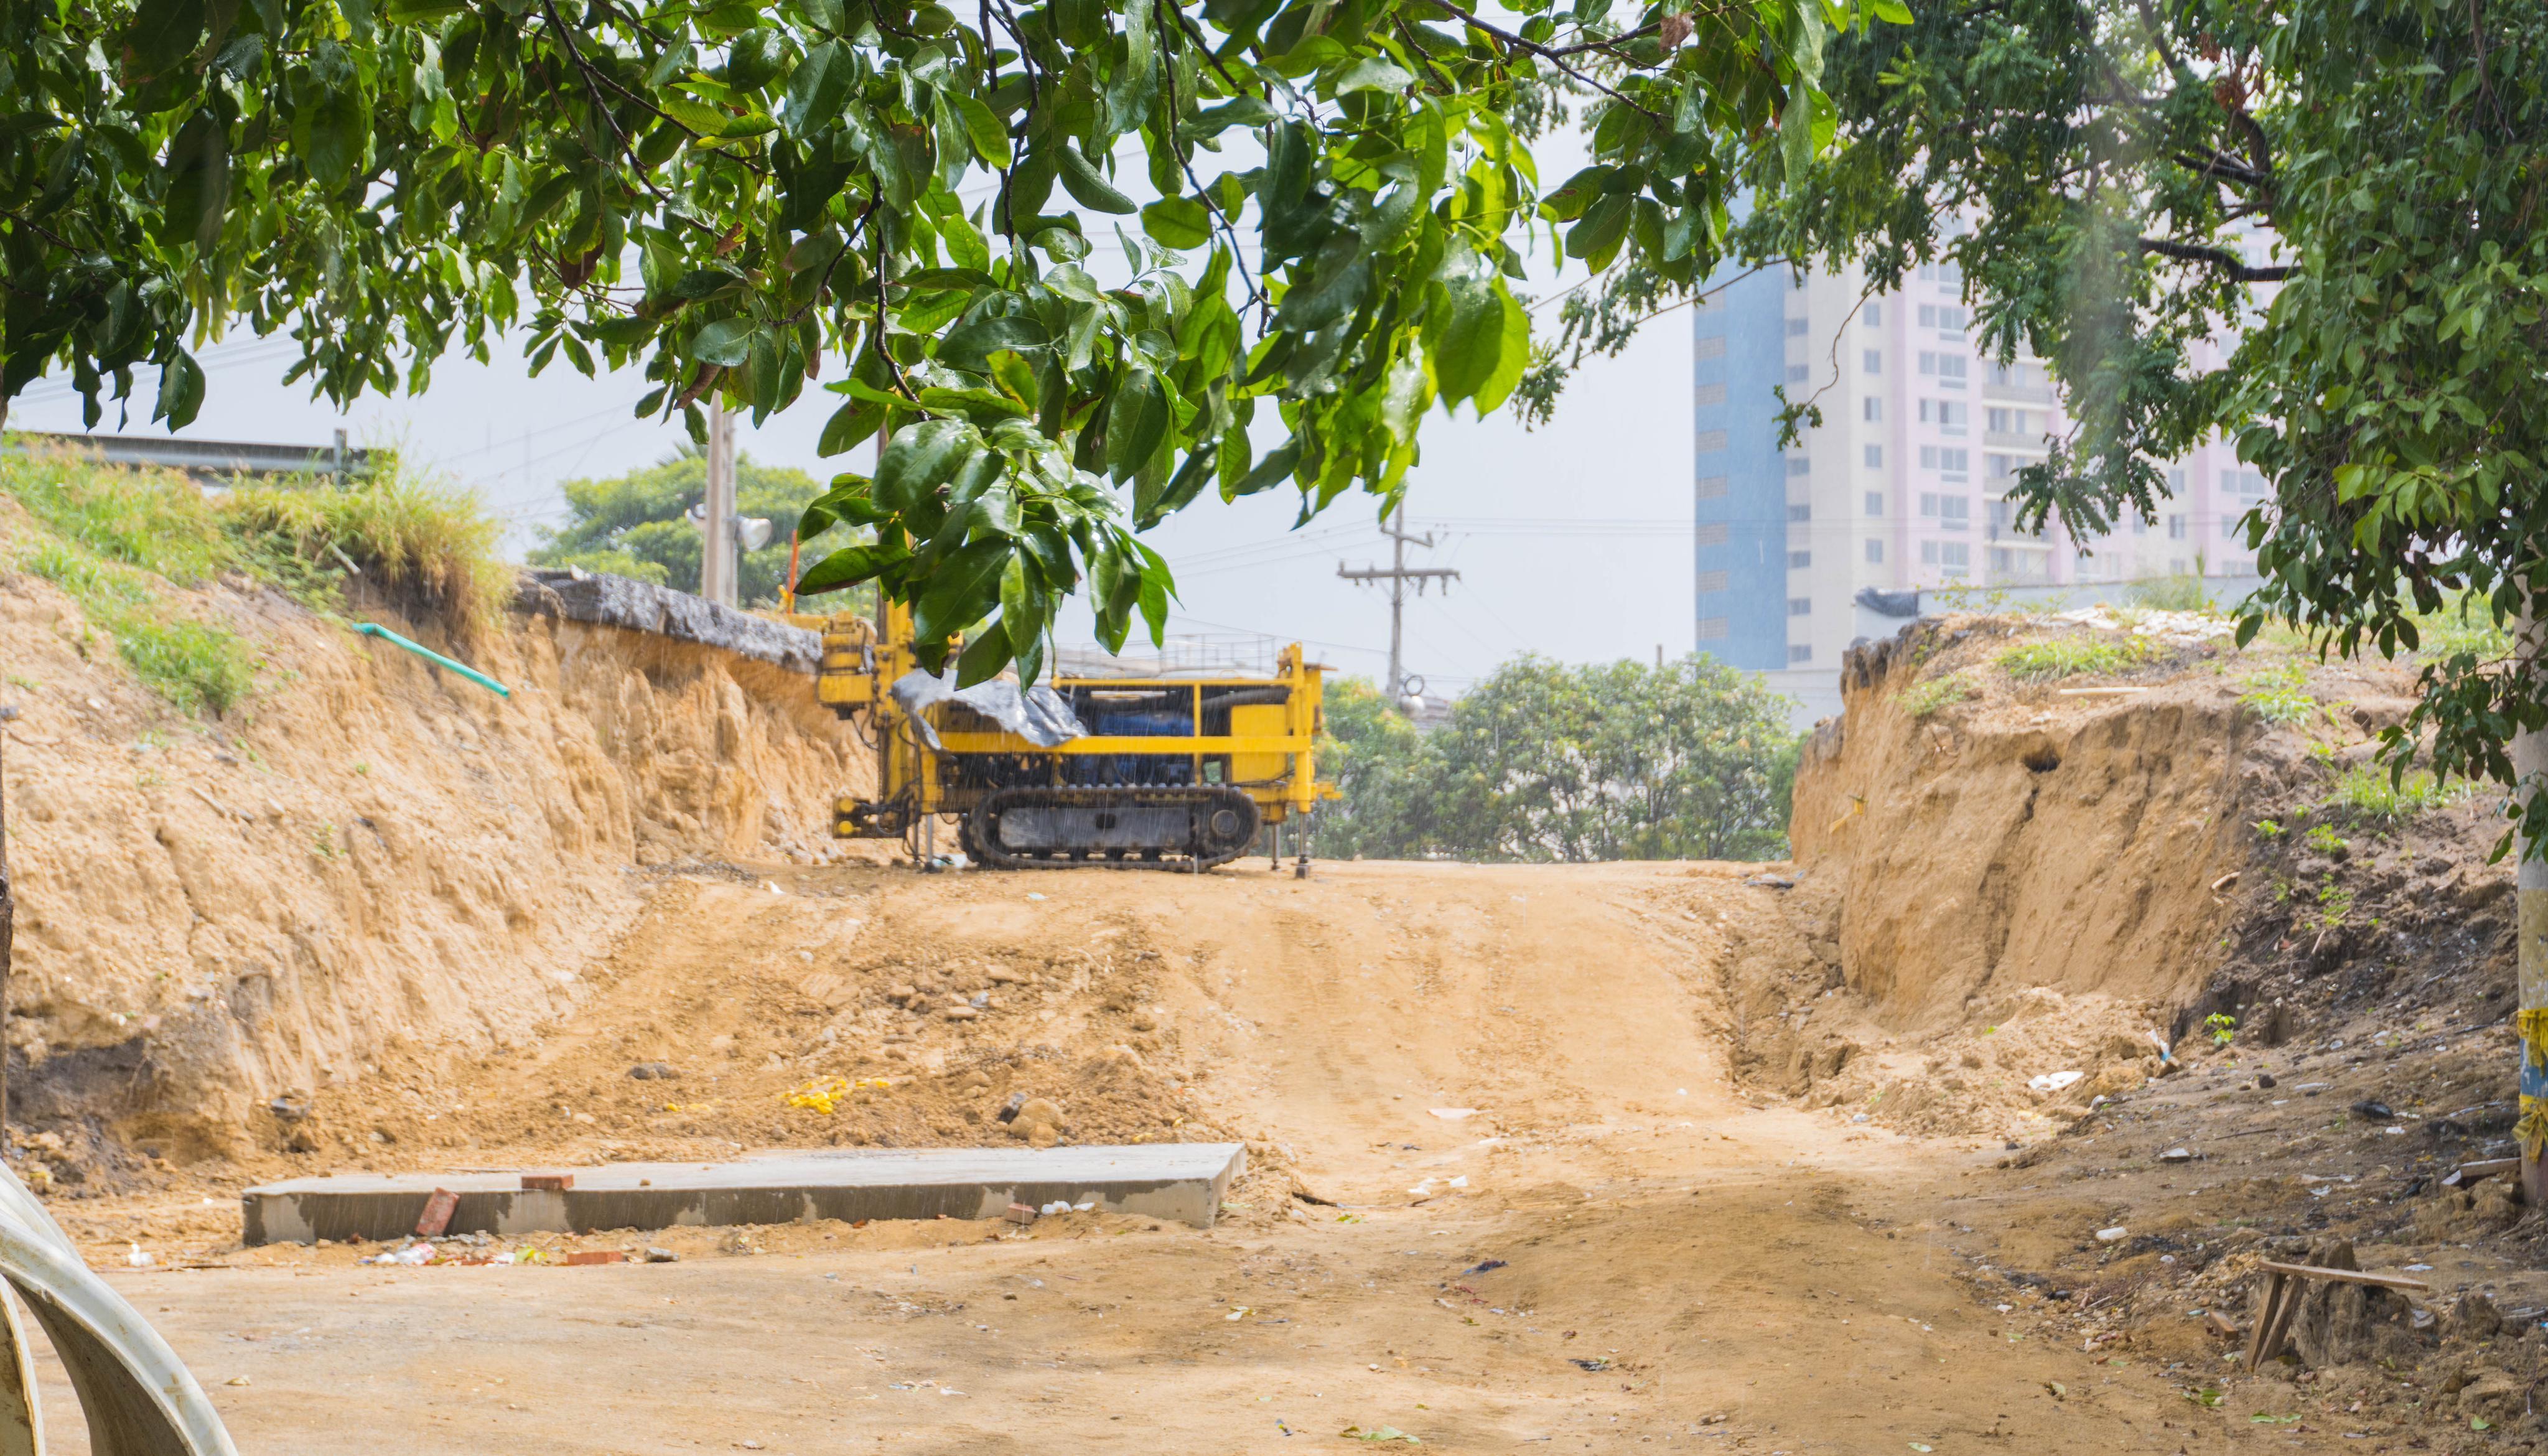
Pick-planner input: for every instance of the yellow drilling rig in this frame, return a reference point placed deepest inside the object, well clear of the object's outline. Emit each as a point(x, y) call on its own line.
point(1173, 770)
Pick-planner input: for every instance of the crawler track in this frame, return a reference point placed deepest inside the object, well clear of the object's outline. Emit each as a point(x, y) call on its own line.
point(1180, 829)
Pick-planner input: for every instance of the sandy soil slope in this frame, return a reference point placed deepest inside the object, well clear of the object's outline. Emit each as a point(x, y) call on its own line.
point(1673, 1263)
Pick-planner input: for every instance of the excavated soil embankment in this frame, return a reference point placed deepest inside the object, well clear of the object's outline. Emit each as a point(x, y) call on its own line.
point(371, 859)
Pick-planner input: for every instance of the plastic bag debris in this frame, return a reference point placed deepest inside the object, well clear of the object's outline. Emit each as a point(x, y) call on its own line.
point(2053, 1081)
point(1385, 1433)
point(1483, 1267)
point(139, 1257)
point(1452, 1114)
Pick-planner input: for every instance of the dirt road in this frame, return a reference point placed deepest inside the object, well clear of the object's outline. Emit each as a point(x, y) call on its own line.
point(1550, 1218)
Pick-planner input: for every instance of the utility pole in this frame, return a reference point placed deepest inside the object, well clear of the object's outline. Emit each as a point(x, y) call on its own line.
point(1398, 574)
point(717, 566)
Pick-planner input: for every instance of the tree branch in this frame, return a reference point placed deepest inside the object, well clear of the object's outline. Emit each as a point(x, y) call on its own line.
point(1553, 58)
point(2218, 257)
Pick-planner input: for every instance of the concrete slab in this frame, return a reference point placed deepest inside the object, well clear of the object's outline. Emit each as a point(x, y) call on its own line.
point(1183, 1181)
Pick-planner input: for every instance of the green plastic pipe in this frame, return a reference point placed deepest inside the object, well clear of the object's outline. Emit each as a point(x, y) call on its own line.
point(375, 629)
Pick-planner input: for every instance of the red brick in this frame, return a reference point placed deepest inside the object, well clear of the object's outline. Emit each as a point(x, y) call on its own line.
point(1022, 1213)
point(436, 1221)
point(593, 1256)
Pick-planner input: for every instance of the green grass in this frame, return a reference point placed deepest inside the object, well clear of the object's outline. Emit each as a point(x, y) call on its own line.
point(1921, 700)
point(2366, 792)
point(113, 539)
point(2465, 625)
point(2175, 594)
point(2057, 658)
point(2280, 693)
point(193, 665)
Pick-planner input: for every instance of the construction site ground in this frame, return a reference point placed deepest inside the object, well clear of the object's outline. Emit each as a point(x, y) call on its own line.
point(1545, 1212)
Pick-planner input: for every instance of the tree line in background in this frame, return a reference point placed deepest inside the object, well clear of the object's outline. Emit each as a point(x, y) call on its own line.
point(1548, 760)
point(637, 526)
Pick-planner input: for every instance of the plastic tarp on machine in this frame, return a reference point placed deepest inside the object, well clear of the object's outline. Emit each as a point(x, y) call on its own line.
point(1038, 716)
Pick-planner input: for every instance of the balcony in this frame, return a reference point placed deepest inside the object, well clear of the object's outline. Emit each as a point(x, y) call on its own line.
point(2018, 394)
point(2008, 440)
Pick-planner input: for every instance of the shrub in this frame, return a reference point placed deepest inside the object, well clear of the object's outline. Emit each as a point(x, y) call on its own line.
point(426, 547)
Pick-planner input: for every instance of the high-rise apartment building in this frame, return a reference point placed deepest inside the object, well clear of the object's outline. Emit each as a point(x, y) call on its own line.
point(1903, 484)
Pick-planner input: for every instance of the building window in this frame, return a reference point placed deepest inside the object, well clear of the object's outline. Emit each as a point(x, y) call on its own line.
point(1715, 533)
point(2141, 526)
point(1929, 504)
point(1997, 420)
point(1800, 607)
point(2176, 528)
point(2002, 516)
point(2229, 528)
point(1714, 629)
point(1800, 653)
point(1951, 371)
point(1710, 441)
point(1711, 582)
point(1798, 373)
point(1875, 456)
point(1872, 361)
point(1796, 328)
point(2176, 483)
point(1708, 394)
point(1800, 512)
point(1955, 513)
point(1951, 459)
point(1950, 415)
point(1711, 487)
point(1872, 408)
point(1875, 504)
point(1943, 316)
point(1800, 560)
point(1946, 553)
point(1799, 465)
point(1872, 315)
point(1712, 346)
point(1874, 552)
point(1998, 466)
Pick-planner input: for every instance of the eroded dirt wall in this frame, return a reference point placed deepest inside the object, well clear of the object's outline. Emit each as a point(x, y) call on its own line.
point(2039, 840)
point(372, 852)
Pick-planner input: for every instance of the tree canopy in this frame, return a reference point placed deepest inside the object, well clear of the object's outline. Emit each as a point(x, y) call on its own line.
point(2316, 227)
point(1545, 761)
point(899, 202)
point(637, 524)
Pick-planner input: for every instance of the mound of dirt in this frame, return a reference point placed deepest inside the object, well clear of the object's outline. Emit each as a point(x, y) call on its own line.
point(370, 859)
point(2014, 890)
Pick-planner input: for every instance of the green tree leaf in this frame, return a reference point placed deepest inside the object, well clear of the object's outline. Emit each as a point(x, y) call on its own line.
point(1178, 222)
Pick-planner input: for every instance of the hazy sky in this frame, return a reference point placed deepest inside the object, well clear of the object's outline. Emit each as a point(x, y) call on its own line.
point(1573, 541)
